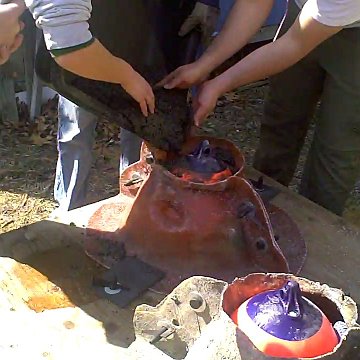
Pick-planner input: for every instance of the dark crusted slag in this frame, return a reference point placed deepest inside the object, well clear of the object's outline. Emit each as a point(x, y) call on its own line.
point(165, 130)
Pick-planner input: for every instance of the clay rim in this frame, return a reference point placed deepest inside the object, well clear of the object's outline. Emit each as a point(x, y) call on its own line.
point(345, 305)
point(189, 146)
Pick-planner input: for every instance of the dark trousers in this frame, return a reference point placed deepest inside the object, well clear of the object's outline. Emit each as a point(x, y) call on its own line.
point(331, 75)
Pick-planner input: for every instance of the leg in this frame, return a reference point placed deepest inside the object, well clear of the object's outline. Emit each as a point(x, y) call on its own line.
point(290, 104)
point(75, 141)
point(333, 164)
point(130, 145)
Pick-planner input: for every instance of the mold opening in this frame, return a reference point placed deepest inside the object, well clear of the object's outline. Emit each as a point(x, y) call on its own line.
point(205, 164)
point(309, 327)
point(328, 307)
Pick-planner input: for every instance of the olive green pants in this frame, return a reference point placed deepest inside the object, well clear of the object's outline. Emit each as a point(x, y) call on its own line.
point(331, 75)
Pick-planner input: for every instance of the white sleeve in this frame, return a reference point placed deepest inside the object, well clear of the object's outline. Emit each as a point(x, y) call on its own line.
point(333, 12)
point(63, 22)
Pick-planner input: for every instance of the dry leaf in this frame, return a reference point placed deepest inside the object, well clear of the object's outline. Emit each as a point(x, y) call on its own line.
point(40, 141)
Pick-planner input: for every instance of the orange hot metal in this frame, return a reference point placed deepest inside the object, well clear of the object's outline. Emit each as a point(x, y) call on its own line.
point(214, 228)
point(191, 176)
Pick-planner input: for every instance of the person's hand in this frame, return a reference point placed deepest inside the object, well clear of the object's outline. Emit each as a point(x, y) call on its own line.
point(184, 77)
point(203, 16)
point(10, 28)
point(97, 63)
point(205, 101)
point(137, 87)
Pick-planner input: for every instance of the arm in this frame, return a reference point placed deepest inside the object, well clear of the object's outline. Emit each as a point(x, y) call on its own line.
point(237, 32)
point(67, 36)
point(304, 35)
point(10, 27)
point(97, 63)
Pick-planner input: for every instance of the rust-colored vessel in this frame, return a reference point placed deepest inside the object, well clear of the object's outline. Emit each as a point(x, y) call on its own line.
point(194, 223)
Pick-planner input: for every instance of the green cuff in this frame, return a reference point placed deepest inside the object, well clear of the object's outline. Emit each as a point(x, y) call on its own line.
point(68, 50)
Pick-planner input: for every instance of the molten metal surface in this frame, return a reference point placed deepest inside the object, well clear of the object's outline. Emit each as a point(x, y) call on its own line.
point(202, 226)
point(207, 179)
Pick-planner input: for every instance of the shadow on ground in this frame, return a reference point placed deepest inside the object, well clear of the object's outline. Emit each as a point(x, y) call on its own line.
point(53, 251)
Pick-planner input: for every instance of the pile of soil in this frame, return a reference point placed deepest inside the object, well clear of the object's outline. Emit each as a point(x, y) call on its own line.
point(166, 129)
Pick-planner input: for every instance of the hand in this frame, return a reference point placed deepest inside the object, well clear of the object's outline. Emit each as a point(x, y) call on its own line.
point(205, 17)
point(184, 77)
point(10, 28)
point(97, 63)
point(205, 101)
point(136, 86)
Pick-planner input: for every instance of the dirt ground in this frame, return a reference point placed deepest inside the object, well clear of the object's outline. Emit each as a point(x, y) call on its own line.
point(28, 157)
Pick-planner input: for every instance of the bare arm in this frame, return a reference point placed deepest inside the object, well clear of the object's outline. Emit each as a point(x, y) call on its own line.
point(10, 27)
point(304, 35)
point(244, 21)
point(97, 63)
point(100, 64)
point(65, 24)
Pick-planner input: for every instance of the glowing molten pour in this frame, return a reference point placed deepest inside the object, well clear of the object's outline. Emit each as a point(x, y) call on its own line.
point(188, 175)
point(205, 165)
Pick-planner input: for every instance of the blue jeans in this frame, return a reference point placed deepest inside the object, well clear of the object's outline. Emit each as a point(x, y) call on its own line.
point(275, 16)
point(225, 7)
point(76, 136)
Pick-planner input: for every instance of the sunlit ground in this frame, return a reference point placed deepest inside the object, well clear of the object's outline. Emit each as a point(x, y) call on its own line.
point(28, 158)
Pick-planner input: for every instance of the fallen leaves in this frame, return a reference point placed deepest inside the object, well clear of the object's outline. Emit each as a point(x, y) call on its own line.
point(18, 210)
point(37, 140)
point(28, 160)
point(43, 129)
point(39, 132)
point(26, 168)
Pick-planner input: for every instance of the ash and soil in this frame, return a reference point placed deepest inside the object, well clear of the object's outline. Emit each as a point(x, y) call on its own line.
point(28, 157)
point(164, 130)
